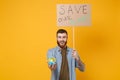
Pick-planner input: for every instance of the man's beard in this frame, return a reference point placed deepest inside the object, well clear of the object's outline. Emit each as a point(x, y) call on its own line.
point(62, 46)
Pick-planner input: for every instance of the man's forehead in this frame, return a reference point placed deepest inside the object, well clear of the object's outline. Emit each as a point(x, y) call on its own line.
point(62, 34)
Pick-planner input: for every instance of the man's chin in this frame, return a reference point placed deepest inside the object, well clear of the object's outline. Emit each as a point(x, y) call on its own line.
point(61, 46)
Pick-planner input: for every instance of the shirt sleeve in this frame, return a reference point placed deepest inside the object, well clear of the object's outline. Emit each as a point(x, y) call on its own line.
point(80, 65)
point(49, 54)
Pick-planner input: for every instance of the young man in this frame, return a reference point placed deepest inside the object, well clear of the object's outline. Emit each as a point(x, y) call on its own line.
point(67, 59)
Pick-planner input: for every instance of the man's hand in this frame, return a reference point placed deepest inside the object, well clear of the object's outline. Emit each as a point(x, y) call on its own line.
point(75, 55)
point(52, 67)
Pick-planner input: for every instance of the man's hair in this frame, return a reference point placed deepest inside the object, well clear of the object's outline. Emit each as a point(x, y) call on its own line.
point(61, 31)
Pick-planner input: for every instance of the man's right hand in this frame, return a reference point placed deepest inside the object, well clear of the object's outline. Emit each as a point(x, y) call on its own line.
point(52, 67)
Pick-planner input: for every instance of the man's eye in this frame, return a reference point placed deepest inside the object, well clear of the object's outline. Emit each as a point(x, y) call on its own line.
point(64, 37)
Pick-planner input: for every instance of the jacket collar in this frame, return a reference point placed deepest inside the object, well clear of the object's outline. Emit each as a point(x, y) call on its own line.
point(59, 49)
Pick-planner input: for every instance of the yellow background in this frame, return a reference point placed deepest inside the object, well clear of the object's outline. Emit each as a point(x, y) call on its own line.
point(27, 31)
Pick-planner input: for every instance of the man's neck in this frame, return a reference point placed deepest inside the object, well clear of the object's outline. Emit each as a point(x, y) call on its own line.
point(62, 47)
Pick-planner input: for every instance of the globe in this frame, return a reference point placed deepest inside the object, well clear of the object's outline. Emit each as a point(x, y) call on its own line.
point(52, 61)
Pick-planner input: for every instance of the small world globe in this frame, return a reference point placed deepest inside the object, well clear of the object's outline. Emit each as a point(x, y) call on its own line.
point(51, 61)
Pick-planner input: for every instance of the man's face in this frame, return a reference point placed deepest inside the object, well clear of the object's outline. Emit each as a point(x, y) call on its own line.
point(62, 39)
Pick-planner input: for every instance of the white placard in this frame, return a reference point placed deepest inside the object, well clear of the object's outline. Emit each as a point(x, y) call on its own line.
point(73, 15)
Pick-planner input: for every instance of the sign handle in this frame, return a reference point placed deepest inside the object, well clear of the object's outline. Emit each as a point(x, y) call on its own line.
point(73, 34)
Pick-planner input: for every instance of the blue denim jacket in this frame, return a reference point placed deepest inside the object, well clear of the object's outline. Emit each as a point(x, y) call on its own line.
point(72, 63)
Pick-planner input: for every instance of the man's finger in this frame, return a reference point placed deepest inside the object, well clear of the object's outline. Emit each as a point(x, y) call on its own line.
point(54, 66)
point(49, 66)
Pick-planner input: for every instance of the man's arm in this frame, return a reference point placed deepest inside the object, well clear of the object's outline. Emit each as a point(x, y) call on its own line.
point(78, 63)
point(49, 55)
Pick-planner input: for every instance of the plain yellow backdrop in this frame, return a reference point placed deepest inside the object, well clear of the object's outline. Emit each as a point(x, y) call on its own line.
point(28, 29)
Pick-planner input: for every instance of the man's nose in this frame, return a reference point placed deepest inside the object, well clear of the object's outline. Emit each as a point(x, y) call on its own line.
point(61, 38)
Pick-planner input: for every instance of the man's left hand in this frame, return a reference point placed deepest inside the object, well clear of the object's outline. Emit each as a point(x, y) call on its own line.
point(75, 55)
